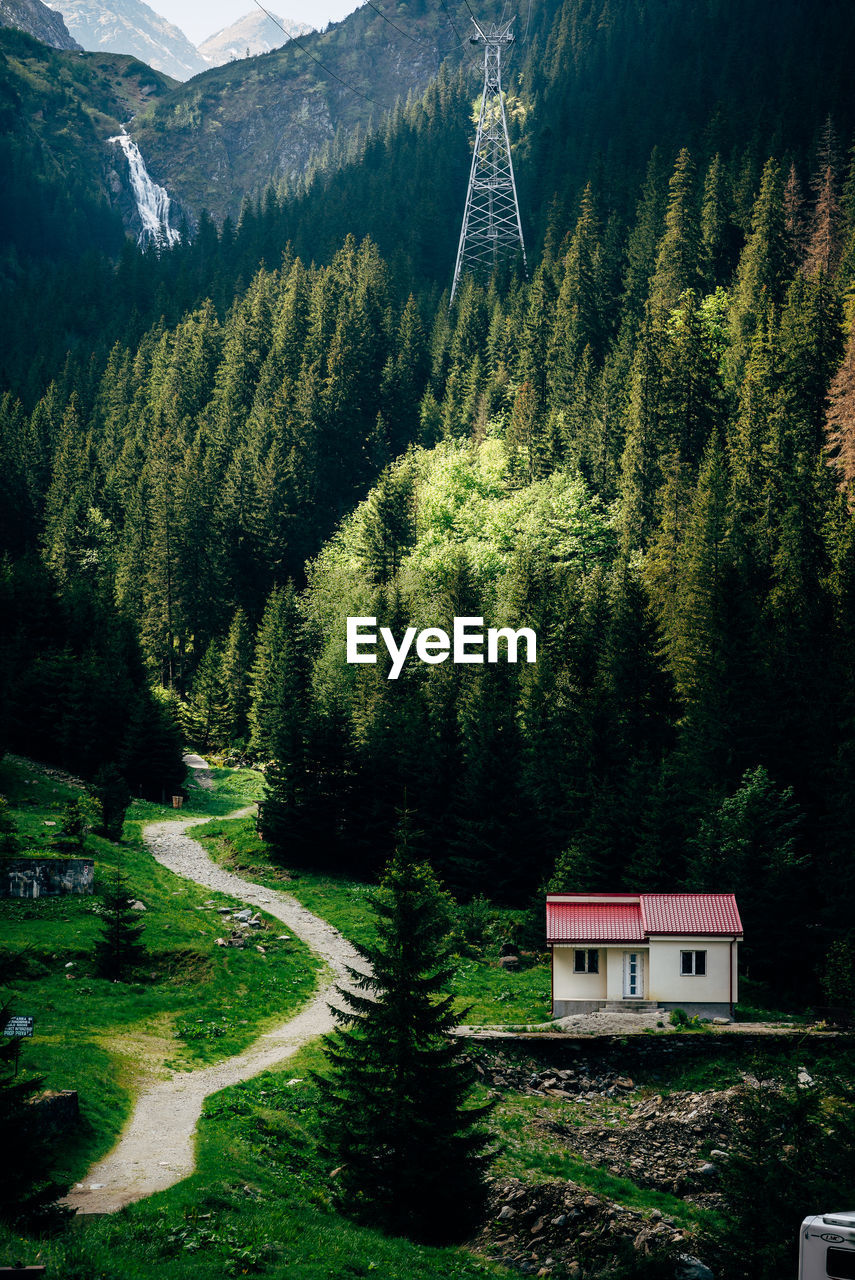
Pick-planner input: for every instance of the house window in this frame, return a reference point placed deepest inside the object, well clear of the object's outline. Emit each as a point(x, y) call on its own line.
point(587, 961)
point(693, 963)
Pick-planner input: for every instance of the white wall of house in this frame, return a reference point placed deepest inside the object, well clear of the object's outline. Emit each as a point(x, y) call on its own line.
point(568, 985)
point(668, 984)
point(662, 979)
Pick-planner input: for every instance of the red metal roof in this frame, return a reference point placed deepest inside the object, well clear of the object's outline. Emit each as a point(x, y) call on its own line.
point(593, 922)
point(690, 913)
point(575, 918)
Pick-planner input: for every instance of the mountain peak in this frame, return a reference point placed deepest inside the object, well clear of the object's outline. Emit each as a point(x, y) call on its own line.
point(130, 26)
point(252, 34)
point(37, 20)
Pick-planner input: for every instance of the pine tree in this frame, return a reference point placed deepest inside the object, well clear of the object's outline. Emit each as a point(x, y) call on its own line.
point(112, 793)
point(788, 1147)
point(643, 241)
point(8, 829)
point(393, 1107)
point(764, 267)
point(120, 948)
point(388, 523)
point(206, 713)
point(680, 254)
point(151, 753)
point(749, 846)
point(237, 655)
point(825, 241)
point(579, 305)
point(840, 418)
point(717, 229)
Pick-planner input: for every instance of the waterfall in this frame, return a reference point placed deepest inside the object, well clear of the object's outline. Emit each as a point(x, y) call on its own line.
point(152, 200)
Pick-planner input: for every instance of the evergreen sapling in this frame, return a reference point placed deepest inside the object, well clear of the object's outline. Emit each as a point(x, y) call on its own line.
point(120, 948)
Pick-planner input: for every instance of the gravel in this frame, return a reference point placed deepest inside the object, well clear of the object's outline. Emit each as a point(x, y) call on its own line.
point(156, 1149)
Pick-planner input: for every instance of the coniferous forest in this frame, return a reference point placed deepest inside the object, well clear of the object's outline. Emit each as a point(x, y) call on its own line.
point(213, 454)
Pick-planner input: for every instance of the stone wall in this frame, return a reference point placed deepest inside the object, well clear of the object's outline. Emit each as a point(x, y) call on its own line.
point(663, 1050)
point(56, 1111)
point(45, 877)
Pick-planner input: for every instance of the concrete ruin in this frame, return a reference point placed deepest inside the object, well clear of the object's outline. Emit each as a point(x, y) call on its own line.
point(45, 877)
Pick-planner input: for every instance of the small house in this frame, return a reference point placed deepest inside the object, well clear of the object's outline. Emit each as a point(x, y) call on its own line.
point(643, 950)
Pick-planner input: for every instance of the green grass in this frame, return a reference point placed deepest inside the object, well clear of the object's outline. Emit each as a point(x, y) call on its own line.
point(261, 1203)
point(193, 1002)
point(484, 992)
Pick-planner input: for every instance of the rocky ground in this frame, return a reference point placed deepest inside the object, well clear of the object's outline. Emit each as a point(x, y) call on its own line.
point(560, 1229)
point(675, 1143)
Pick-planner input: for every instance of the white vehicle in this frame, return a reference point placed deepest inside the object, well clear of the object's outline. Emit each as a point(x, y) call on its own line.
point(827, 1247)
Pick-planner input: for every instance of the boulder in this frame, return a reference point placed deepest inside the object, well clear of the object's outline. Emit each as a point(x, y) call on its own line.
point(689, 1268)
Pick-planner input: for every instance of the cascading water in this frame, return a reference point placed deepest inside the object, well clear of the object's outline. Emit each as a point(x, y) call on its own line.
point(152, 200)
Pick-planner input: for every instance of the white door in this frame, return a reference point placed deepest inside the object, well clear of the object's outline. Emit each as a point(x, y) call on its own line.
point(633, 975)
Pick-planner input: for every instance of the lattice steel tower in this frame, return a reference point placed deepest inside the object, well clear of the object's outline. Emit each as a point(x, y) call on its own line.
point(491, 227)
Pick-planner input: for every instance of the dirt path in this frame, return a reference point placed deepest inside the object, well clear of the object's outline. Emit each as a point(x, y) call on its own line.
point(156, 1149)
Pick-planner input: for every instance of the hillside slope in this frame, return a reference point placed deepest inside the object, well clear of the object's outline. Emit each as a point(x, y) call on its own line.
point(57, 108)
point(130, 26)
point(241, 126)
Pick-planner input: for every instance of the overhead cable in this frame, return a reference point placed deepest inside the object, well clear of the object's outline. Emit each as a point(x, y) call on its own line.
point(308, 54)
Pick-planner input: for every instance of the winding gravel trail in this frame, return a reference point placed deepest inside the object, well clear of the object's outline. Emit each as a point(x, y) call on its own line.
point(156, 1149)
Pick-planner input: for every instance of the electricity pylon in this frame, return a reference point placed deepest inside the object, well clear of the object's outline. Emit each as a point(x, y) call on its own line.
point(491, 227)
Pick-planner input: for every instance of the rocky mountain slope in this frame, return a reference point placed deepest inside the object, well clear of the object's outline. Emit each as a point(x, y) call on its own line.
point(130, 26)
point(65, 187)
point(238, 127)
point(37, 20)
point(251, 35)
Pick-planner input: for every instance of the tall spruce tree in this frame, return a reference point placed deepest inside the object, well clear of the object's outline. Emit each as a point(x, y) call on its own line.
point(393, 1106)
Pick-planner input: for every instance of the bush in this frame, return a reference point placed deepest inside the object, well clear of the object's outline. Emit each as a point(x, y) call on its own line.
point(791, 1152)
point(474, 924)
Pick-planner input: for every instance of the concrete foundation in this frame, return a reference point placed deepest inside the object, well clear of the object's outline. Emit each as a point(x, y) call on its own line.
point(565, 1008)
point(709, 1010)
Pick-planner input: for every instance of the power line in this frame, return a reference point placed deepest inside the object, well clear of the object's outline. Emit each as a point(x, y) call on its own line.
point(323, 66)
point(471, 12)
point(460, 40)
point(415, 39)
point(527, 20)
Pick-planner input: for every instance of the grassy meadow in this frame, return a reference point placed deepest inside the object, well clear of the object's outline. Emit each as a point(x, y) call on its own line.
point(484, 991)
